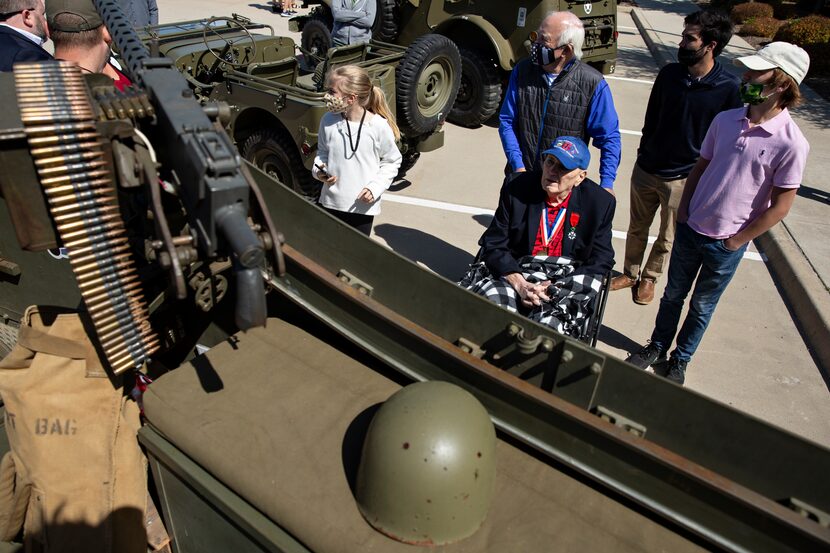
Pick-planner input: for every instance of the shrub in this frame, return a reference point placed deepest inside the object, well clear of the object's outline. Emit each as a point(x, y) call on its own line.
point(750, 10)
point(819, 59)
point(814, 29)
point(760, 26)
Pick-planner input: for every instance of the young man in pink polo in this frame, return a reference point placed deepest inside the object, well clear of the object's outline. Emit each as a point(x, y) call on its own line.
point(750, 167)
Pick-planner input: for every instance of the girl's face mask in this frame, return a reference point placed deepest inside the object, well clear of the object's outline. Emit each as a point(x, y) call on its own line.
point(335, 104)
point(752, 93)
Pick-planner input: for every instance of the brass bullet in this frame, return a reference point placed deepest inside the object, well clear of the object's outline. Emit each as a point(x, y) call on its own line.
point(98, 194)
point(136, 105)
point(67, 158)
point(68, 148)
point(91, 238)
point(70, 168)
point(106, 303)
point(135, 347)
point(126, 315)
point(73, 221)
point(120, 317)
point(136, 332)
point(67, 138)
point(64, 192)
point(74, 178)
point(60, 128)
point(83, 204)
point(104, 266)
point(91, 253)
point(94, 286)
point(97, 209)
point(97, 247)
point(130, 290)
point(115, 304)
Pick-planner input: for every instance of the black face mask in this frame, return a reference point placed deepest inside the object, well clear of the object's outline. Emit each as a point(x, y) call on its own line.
point(690, 57)
point(543, 55)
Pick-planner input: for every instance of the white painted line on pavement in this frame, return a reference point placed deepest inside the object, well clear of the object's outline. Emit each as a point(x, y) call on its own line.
point(628, 80)
point(627, 28)
point(457, 208)
point(635, 133)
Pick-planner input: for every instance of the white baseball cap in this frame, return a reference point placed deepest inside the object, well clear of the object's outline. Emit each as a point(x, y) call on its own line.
point(791, 59)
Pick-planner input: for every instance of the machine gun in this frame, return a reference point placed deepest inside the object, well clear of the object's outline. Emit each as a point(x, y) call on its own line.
point(84, 175)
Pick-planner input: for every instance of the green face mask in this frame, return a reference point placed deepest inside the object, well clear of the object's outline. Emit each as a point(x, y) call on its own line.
point(751, 94)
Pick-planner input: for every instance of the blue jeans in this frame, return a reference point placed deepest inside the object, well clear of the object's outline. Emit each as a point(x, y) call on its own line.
point(693, 252)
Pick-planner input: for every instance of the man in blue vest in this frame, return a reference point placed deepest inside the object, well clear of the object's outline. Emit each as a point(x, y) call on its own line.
point(23, 30)
point(553, 94)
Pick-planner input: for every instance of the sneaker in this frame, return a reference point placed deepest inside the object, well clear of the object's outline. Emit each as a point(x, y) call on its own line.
point(643, 358)
point(287, 13)
point(676, 371)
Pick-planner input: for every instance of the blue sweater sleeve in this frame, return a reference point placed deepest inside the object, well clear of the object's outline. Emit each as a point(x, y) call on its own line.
point(507, 132)
point(603, 127)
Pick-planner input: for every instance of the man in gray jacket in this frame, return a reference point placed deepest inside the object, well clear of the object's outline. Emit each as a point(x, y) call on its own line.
point(353, 20)
point(141, 12)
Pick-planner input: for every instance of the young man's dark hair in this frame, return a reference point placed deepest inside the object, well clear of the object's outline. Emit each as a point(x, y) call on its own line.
point(715, 25)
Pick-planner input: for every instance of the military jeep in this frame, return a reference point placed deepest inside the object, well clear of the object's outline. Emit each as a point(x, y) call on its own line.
point(276, 96)
point(491, 35)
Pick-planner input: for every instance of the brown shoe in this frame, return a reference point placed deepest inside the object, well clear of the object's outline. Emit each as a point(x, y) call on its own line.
point(644, 292)
point(622, 281)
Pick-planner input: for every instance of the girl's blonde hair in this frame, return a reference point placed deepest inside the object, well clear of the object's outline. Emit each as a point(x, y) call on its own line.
point(355, 80)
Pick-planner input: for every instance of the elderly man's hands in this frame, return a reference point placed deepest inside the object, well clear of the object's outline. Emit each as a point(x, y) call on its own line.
point(531, 294)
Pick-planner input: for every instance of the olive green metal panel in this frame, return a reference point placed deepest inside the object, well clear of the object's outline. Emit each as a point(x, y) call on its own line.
point(505, 25)
point(201, 514)
point(764, 459)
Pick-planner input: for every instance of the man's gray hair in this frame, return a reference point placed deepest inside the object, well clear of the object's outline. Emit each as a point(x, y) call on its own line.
point(573, 33)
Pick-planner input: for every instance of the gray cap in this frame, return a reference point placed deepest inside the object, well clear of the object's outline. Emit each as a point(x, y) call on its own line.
point(86, 19)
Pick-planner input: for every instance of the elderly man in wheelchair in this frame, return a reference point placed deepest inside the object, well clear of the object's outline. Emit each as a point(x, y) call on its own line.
point(547, 252)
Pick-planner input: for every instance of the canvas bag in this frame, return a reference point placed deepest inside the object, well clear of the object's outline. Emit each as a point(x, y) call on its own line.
point(75, 479)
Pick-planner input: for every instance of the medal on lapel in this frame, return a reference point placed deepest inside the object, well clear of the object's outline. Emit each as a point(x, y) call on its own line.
point(574, 221)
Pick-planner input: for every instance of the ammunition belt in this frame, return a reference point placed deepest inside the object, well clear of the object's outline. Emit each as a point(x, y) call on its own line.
point(132, 103)
point(59, 118)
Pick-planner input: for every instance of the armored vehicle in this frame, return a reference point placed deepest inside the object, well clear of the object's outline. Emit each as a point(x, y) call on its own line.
point(492, 35)
point(262, 442)
point(276, 96)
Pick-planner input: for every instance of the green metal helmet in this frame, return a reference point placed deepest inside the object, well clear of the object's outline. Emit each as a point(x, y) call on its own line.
point(428, 467)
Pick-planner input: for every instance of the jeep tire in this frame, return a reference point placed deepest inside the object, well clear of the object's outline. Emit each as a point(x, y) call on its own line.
point(276, 155)
point(386, 28)
point(480, 90)
point(427, 81)
point(316, 39)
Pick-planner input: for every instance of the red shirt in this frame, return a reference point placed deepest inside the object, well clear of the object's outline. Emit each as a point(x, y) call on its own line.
point(554, 247)
point(122, 81)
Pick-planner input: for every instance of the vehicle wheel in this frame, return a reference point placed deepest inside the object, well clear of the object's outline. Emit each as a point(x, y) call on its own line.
point(480, 90)
point(385, 27)
point(427, 83)
point(277, 156)
point(316, 37)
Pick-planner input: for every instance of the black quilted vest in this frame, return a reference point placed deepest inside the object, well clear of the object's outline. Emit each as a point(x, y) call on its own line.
point(568, 101)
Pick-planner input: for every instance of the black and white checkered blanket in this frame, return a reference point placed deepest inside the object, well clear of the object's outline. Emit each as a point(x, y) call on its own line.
point(571, 296)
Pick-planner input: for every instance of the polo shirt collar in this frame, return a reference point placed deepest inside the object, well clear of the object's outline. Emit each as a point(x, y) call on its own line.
point(773, 125)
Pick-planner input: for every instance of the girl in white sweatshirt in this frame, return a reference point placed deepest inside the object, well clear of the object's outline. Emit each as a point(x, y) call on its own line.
point(357, 158)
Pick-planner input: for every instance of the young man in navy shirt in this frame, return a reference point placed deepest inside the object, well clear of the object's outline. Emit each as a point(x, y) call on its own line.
point(684, 100)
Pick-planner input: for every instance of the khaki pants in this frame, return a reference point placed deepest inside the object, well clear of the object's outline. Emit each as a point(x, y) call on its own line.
point(648, 193)
point(75, 479)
